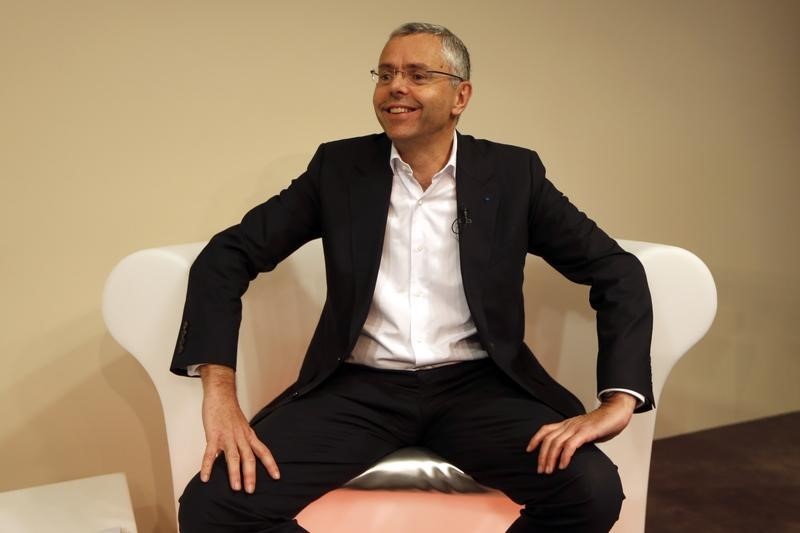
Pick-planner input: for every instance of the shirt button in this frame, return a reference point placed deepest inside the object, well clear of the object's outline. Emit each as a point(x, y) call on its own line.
point(419, 248)
point(419, 202)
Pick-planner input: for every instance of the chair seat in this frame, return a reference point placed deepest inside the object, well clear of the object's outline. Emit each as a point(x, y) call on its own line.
point(403, 511)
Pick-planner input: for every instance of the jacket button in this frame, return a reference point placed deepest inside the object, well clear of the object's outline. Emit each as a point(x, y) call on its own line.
point(295, 394)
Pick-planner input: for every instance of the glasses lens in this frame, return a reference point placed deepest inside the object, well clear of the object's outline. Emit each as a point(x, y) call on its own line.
point(385, 76)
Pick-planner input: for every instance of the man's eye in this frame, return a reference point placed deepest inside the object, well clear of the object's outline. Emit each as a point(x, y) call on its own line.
point(419, 76)
point(385, 76)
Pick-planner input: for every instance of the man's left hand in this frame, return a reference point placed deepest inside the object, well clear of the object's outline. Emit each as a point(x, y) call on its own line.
point(557, 442)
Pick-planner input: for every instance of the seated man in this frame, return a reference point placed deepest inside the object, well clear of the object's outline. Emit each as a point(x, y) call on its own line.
point(420, 342)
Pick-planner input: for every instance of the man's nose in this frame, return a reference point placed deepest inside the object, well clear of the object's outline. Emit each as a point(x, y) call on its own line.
point(399, 82)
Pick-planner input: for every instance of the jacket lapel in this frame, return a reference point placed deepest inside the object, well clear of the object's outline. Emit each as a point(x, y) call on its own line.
point(476, 193)
point(370, 191)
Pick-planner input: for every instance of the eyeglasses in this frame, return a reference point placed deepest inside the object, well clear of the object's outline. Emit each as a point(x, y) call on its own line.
point(385, 76)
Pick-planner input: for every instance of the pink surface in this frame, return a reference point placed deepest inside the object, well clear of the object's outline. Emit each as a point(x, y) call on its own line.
point(383, 511)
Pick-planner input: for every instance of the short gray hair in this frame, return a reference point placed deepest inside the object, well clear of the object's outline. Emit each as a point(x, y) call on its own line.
point(453, 49)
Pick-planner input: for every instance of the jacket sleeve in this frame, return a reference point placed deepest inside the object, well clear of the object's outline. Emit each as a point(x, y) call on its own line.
point(575, 246)
point(223, 270)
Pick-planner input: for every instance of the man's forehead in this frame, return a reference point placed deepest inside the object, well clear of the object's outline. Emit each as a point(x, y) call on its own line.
point(412, 51)
point(407, 66)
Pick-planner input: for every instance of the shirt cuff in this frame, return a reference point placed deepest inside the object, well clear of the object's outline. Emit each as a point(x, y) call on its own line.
point(639, 398)
point(194, 371)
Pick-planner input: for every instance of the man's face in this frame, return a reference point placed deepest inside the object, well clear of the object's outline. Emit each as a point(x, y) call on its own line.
point(418, 113)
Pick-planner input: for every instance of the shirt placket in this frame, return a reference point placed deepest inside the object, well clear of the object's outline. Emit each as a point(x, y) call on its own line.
point(419, 271)
point(419, 292)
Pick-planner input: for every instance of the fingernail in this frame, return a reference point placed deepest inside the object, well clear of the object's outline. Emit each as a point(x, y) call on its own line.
point(250, 489)
point(236, 486)
point(204, 478)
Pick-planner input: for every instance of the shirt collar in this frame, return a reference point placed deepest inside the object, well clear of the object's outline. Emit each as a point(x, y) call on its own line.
point(395, 161)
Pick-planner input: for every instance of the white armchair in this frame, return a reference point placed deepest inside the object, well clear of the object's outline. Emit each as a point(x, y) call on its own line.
point(142, 304)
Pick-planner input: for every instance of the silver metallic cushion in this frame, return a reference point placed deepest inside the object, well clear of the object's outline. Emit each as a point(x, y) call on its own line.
point(415, 468)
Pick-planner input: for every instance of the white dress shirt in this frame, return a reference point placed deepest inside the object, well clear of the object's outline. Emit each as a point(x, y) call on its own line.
point(419, 316)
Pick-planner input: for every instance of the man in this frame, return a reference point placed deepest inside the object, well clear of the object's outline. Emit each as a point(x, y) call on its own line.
point(420, 341)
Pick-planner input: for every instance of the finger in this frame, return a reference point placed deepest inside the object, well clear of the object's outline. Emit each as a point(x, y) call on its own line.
point(544, 450)
point(266, 458)
point(234, 468)
point(568, 451)
point(580, 436)
point(248, 462)
point(539, 436)
point(556, 449)
point(533, 443)
point(208, 461)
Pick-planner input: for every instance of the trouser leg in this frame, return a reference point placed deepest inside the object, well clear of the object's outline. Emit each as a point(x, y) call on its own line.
point(483, 425)
point(319, 442)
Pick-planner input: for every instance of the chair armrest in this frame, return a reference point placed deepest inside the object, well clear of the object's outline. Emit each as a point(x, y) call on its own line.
point(142, 306)
point(684, 303)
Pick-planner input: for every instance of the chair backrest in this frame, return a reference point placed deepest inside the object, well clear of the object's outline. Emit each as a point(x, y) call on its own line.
point(144, 294)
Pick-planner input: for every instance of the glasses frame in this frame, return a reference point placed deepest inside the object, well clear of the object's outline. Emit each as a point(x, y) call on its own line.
point(376, 76)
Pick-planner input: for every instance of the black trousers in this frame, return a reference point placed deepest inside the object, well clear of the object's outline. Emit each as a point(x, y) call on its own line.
point(470, 413)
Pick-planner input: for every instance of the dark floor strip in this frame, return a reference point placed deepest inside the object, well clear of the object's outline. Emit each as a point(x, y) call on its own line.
point(744, 477)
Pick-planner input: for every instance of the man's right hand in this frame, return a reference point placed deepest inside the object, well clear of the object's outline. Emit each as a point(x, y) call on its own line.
point(227, 431)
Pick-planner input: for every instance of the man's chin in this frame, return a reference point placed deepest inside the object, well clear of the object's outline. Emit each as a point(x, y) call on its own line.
point(399, 134)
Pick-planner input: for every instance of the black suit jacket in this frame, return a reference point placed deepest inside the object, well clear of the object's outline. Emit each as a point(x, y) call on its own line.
point(343, 198)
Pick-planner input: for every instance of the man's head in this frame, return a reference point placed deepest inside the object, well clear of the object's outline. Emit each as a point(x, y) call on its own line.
point(455, 53)
point(422, 84)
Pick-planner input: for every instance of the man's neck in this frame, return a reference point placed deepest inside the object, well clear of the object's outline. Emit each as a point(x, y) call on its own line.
point(426, 158)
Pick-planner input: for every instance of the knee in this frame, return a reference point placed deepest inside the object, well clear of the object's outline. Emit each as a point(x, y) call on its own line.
point(596, 492)
point(603, 487)
point(210, 507)
point(586, 497)
point(194, 506)
point(213, 507)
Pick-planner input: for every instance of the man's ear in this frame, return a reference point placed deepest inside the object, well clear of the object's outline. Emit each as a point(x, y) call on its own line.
point(463, 94)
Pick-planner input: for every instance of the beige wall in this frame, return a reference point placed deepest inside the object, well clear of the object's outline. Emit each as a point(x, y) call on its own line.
point(126, 125)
